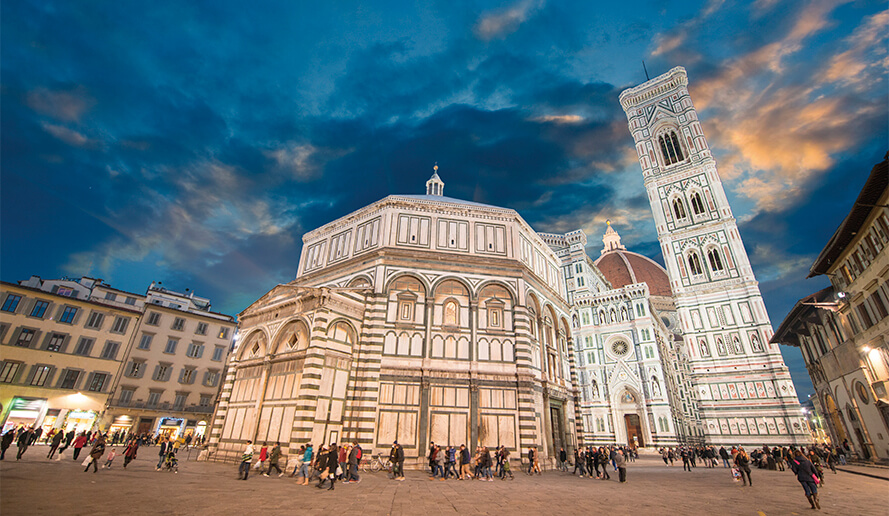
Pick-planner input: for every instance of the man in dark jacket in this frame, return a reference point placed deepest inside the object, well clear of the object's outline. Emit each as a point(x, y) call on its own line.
point(354, 459)
point(6, 442)
point(56, 441)
point(330, 465)
point(563, 460)
point(23, 442)
point(465, 460)
point(162, 452)
point(396, 455)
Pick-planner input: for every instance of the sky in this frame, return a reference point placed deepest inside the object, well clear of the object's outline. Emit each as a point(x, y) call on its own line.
point(194, 143)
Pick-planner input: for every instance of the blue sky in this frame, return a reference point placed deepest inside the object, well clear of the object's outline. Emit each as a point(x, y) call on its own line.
point(195, 142)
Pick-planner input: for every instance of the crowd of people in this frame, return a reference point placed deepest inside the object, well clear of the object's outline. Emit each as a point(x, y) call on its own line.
point(342, 463)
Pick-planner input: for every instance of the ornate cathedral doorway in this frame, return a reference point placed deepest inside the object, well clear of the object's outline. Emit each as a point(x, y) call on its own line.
point(634, 430)
point(555, 416)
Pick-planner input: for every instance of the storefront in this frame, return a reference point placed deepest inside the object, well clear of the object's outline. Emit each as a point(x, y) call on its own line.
point(170, 426)
point(122, 424)
point(49, 421)
point(24, 411)
point(201, 429)
point(79, 421)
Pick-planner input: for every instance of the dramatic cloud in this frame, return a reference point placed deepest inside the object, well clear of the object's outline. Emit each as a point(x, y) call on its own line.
point(196, 144)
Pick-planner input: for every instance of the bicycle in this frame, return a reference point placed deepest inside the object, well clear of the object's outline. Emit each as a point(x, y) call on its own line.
point(377, 464)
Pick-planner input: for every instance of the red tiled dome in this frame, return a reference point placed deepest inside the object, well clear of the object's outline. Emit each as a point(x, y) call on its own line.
point(623, 268)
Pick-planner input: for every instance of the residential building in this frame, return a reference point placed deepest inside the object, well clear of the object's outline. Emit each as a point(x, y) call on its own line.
point(62, 349)
point(173, 371)
point(842, 330)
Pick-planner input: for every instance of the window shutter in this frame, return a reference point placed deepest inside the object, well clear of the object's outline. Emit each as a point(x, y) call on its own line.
point(141, 371)
point(45, 340)
point(55, 289)
point(61, 378)
point(200, 351)
point(181, 374)
point(206, 380)
point(15, 335)
point(31, 375)
point(65, 344)
point(26, 305)
point(169, 373)
point(89, 380)
point(157, 368)
point(77, 315)
point(35, 340)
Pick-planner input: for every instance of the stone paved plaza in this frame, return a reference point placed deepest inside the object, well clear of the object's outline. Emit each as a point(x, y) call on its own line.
point(35, 485)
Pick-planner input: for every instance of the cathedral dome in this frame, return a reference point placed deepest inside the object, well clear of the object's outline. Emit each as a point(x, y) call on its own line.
point(621, 267)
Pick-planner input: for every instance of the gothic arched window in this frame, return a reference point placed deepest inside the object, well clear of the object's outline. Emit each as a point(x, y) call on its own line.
point(697, 205)
point(670, 148)
point(715, 260)
point(679, 209)
point(694, 264)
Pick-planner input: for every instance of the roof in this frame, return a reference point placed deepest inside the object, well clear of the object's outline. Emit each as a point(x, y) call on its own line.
point(874, 188)
point(441, 198)
point(786, 331)
point(622, 268)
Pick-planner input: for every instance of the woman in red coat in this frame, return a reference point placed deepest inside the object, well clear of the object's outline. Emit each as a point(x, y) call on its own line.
point(79, 443)
point(129, 455)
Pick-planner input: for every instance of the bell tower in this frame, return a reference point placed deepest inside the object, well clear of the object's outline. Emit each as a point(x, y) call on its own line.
point(742, 386)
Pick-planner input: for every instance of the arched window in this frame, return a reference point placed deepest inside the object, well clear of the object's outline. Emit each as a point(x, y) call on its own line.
point(450, 313)
point(715, 260)
point(697, 205)
point(705, 349)
point(694, 264)
point(679, 209)
point(670, 148)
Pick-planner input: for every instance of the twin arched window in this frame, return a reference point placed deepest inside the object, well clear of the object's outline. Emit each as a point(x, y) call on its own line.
point(679, 209)
point(670, 148)
point(715, 260)
point(694, 264)
point(697, 204)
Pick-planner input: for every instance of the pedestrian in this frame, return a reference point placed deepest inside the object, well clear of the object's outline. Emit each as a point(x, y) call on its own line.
point(354, 459)
point(6, 442)
point(162, 452)
point(246, 459)
point(263, 455)
point(742, 461)
point(603, 460)
point(396, 455)
point(96, 454)
point(23, 442)
point(816, 462)
point(35, 435)
point(504, 451)
point(621, 464)
point(108, 462)
point(807, 476)
point(330, 464)
point(305, 469)
point(56, 441)
point(487, 464)
point(79, 443)
point(69, 438)
point(274, 457)
point(129, 454)
point(686, 463)
point(465, 460)
point(563, 460)
point(342, 462)
point(537, 462)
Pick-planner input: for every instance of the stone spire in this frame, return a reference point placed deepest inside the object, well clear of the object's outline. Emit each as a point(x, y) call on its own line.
point(435, 186)
point(611, 240)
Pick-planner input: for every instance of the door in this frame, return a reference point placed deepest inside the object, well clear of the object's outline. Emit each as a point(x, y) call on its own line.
point(555, 417)
point(634, 430)
point(145, 426)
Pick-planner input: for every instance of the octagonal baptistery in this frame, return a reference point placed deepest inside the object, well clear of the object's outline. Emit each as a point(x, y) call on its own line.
point(419, 318)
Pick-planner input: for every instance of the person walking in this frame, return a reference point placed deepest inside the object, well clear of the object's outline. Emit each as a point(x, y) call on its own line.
point(6, 442)
point(465, 460)
point(96, 454)
point(129, 454)
point(263, 456)
point(274, 457)
point(69, 438)
point(331, 461)
point(742, 461)
point(621, 463)
point(354, 459)
point(563, 460)
point(396, 455)
point(686, 463)
point(305, 469)
point(246, 459)
point(23, 442)
point(79, 443)
point(162, 452)
point(807, 476)
point(56, 441)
